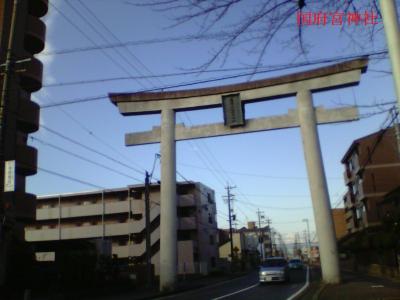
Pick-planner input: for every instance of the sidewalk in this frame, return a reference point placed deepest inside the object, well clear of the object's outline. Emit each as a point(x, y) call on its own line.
point(355, 286)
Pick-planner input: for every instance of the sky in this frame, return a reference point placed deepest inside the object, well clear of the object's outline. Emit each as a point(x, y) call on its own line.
point(267, 168)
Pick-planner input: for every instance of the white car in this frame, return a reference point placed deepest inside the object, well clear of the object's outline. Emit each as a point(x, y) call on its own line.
point(274, 269)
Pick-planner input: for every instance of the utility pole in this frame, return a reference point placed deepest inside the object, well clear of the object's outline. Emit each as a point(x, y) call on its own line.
point(269, 235)
point(308, 238)
point(148, 229)
point(260, 215)
point(229, 199)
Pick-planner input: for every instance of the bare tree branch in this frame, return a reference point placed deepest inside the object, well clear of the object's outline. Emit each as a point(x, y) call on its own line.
point(268, 17)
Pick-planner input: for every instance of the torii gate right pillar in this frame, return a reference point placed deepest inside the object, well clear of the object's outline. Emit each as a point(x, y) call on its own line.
point(318, 188)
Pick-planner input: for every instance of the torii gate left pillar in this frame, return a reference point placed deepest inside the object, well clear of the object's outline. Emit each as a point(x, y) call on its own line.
point(168, 203)
point(301, 85)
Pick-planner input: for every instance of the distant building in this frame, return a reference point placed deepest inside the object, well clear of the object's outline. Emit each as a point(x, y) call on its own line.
point(339, 220)
point(119, 216)
point(372, 170)
point(247, 241)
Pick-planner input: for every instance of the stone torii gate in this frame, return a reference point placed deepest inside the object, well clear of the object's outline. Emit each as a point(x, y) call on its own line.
point(233, 98)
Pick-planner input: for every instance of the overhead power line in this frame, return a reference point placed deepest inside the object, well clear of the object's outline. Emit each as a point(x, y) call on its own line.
point(83, 158)
point(119, 44)
point(70, 178)
point(127, 50)
point(93, 134)
point(215, 79)
point(90, 149)
point(252, 174)
point(72, 23)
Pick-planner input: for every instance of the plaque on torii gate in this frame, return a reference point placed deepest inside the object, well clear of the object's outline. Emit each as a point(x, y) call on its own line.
point(233, 98)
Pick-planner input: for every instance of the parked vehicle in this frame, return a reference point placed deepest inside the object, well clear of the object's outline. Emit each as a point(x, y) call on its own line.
point(274, 269)
point(296, 264)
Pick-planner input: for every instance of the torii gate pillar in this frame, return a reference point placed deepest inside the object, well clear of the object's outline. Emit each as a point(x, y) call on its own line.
point(318, 188)
point(168, 214)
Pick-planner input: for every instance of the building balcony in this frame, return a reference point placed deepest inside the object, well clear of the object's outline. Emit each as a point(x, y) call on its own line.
point(38, 8)
point(31, 78)
point(49, 213)
point(35, 34)
point(28, 114)
point(360, 193)
point(349, 200)
point(26, 160)
point(20, 205)
point(348, 214)
point(186, 200)
point(135, 249)
point(348, 176)
point(187, 223)
point(89, 231)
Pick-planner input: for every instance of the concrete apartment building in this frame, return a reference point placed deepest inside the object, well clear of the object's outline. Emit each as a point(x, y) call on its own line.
point(118, 215)
point(372, 170)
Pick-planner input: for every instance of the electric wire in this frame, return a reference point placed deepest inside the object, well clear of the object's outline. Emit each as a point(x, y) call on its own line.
point(89, 148)
point(120, 66)
point(83, 158)
point(93, 134)
point(70, 178)
point(185, 84)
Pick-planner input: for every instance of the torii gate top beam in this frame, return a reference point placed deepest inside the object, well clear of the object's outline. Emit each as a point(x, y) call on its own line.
point(321, 79)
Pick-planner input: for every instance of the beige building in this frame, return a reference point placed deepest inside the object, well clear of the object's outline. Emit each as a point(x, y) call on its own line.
point(118, 215)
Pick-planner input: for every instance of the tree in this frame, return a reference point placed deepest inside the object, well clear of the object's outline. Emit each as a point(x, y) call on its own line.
point(261, 21)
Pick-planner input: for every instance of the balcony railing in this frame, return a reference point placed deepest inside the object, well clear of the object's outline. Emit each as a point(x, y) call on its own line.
point(84, 210)
point(187, 223)
point(89, 231)
point(48, 213)
point(136, 249)
point(186, 200)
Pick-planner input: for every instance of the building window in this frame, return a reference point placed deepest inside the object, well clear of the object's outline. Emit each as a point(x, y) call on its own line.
point(210, 218)
point(212, 240)
point(184, 235)
point(210, 199)
point(136, 195)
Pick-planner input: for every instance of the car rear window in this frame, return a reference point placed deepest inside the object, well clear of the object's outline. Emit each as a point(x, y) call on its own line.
point(295, 261)
point(274, 263)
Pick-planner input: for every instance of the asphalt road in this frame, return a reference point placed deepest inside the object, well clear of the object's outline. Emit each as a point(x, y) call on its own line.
point(247, 287)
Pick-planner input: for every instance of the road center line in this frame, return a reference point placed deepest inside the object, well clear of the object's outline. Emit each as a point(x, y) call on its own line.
point(303, 288)
point(237, 292)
